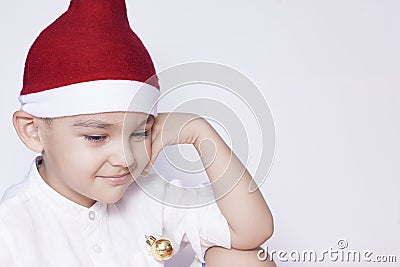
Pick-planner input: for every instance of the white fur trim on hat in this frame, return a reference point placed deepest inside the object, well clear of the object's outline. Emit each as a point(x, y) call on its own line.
point(92, 97)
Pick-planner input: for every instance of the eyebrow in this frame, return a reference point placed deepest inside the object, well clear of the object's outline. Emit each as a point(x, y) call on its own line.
point(93, 124)
point(104, 125)
point(145, 122)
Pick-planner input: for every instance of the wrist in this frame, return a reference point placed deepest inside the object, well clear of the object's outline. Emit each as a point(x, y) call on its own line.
point(204, 131)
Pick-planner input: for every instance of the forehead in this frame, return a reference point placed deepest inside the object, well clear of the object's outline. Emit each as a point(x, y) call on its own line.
point(107, 120)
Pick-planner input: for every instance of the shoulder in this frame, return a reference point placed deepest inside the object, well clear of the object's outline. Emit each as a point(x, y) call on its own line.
point(13, 213)
point(14, 205)
point(18, 193)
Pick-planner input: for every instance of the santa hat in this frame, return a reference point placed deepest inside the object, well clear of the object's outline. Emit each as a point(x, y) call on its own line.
point(89, 61)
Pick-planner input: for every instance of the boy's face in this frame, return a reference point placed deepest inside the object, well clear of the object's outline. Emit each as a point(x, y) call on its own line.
point(90, 158)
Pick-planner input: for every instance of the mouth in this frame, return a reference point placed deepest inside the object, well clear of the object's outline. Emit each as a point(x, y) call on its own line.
point(116, 179)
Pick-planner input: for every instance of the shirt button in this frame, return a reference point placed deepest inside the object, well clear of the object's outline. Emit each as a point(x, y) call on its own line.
point(97, 248)
point(92, 215)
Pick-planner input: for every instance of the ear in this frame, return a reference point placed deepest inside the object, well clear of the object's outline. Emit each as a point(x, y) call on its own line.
point(27, 130)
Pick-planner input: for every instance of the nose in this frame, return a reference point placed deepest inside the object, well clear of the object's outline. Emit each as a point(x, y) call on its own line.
point(122, 154)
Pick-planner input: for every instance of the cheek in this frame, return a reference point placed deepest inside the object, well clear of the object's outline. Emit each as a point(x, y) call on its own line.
point(141, 151)
point(74, 158)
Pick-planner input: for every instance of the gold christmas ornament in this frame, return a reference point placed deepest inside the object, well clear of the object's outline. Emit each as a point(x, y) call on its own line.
point(161, 247)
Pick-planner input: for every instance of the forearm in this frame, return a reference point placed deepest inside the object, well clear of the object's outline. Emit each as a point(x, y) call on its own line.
point(248, 215)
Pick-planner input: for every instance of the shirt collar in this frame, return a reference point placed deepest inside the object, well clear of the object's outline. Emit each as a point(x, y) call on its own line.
point(61, 204)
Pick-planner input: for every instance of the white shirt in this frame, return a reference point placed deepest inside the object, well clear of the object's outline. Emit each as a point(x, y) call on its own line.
point(39, 227)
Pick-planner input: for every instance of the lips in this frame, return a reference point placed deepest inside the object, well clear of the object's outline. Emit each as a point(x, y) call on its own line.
point(116, 179)
point(115, 176)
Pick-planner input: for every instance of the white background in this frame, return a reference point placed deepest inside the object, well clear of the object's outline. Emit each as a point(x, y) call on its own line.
point(330, 72)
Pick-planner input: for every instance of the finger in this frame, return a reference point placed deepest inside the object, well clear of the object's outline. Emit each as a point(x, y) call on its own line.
point(146, 169)
point(155, 151)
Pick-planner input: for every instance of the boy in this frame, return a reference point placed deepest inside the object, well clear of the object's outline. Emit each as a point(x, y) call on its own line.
point(81, 204)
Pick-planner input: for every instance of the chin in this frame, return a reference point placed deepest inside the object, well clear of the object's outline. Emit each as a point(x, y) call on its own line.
point(112, 198)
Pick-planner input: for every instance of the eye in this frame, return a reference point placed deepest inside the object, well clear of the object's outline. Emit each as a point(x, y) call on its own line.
point(140, 136)
point(95, 138)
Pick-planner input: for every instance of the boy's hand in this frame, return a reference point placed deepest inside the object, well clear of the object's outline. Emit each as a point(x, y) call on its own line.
point(248, 215)
point(174, 128)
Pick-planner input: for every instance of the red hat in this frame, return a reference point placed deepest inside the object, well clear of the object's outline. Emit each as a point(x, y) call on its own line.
point(89, 61)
